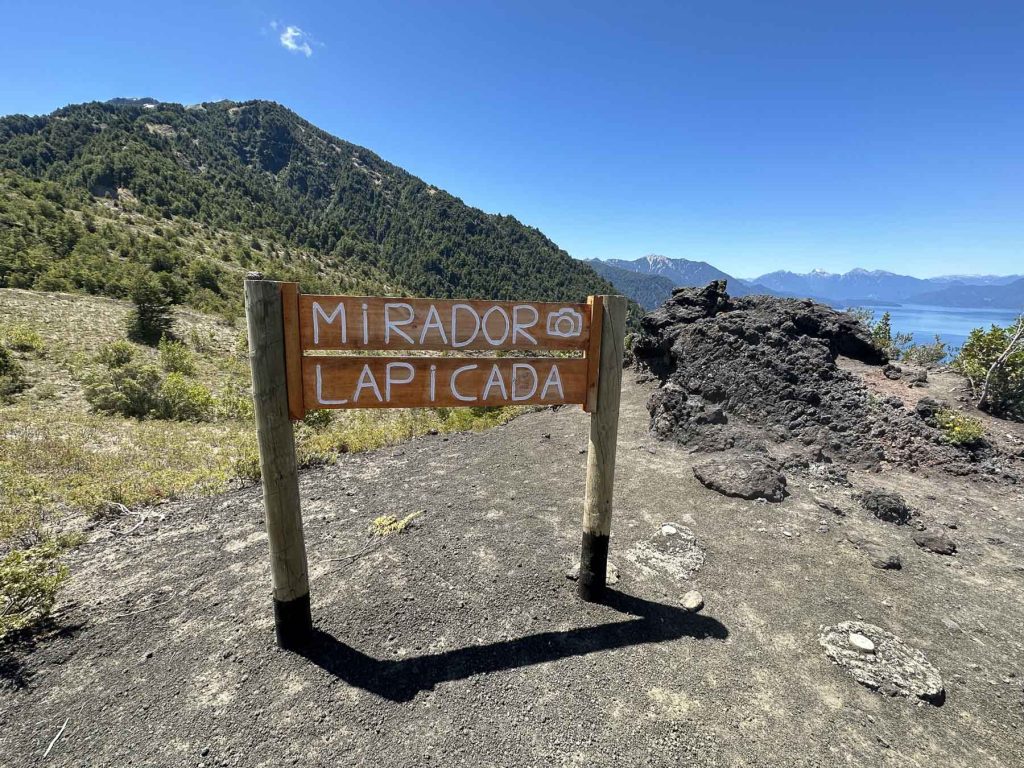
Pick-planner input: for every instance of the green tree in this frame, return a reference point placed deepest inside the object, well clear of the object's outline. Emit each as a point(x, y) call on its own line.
point(992, 361)
point(150, 320)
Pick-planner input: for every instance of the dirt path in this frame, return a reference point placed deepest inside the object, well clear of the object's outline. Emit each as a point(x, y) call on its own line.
point(461, 643)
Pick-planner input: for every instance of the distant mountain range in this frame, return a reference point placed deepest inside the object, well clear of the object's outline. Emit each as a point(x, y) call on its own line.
point(856, 287)
point(881, 286)
point(649, 280)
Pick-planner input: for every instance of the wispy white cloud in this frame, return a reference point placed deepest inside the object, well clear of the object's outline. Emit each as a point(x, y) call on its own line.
point(295, 40)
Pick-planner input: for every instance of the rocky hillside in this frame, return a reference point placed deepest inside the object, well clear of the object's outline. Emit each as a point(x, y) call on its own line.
point(735, 372)
point(96, 191)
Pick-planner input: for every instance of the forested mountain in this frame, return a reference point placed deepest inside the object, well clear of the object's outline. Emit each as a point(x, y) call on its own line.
point(647, 290)
point(96, 196)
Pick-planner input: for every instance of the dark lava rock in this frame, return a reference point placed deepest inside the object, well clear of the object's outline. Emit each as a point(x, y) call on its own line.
point(887, 506)
point(744, 476)
point(733, 370)
point(927, 407)
point(939, 543)
point(893, 372)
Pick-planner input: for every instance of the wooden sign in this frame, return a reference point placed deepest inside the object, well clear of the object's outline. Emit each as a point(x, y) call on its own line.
point(294, 340)
point(316, 326)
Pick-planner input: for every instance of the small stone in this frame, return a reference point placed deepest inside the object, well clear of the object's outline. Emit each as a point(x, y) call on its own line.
point(939, 543)
point(861, 643)
point(668, 530)
point(693, 601)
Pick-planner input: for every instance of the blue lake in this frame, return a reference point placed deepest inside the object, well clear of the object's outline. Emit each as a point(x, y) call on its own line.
point(953, 324)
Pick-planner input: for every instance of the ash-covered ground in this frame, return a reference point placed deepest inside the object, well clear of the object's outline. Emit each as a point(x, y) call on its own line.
point(856, 612)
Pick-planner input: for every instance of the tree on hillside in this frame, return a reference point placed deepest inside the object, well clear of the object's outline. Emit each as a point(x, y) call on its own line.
point(151, 319)
point(993, 363)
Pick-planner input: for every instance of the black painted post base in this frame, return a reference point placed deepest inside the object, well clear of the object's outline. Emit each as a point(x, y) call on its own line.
point(293, 622)
point(593, 567)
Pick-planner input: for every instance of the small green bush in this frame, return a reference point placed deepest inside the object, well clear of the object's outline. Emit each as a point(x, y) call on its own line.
point(958, 428)
point(926, 354)
point(132, 389)
point(175, 357)
point(12, 375)
point(183, 400)
point(29, 581)
point(318, 420)
point(235, 402)
point(116, 354)
point(21, 338)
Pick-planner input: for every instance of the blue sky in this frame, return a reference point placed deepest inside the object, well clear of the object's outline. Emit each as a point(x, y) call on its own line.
point(754, 135)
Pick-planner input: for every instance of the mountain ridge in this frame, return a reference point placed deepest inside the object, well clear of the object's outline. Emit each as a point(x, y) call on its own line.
point(268, 190)
point(854, 287)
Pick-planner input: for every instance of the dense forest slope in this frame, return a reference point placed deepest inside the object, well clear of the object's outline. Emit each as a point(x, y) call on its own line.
point(95, 196)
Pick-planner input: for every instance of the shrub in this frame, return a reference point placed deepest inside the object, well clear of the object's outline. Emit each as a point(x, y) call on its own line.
point(958, 428)
point(175, 357)
point(993, 364)
point(12, 375)
point(183, 400)
point(116, 354)
point(883, 338)
point(235, 402)
point(318, 420)
point(151, 319)
point(21, 338)
point(926, 354)
point(29, 581)
point(132, 389)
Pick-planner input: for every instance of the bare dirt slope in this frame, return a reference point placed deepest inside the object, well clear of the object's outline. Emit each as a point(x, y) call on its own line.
point(461, 643)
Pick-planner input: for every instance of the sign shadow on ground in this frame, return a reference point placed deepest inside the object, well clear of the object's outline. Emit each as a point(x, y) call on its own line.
point(400, 680)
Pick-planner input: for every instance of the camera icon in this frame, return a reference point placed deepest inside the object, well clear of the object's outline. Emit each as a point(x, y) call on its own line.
point(566, 322)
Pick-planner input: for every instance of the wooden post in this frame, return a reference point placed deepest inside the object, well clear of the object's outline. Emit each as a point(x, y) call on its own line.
point(604, 426)
point(264, 313)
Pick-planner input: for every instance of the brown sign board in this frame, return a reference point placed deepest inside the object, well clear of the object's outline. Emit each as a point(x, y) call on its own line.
point(372, 322)
point(316, 326)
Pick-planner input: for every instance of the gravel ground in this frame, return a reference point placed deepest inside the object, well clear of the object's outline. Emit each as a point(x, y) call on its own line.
point(461, 642)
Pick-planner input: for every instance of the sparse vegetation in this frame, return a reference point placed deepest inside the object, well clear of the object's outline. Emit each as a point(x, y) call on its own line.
point(12, 375)
point(183, 399)
point(175, 357)
point(21, 338)
point(387, 525)
point(882, 335)
point(992, 361)
point(109, 432)
point(900, 346)
point(29, 581)
point(959, 428)
point(926, 355)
